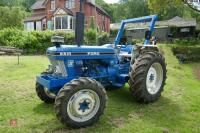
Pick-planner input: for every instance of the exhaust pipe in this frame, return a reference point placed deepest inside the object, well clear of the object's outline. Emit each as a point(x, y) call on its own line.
point(79, 29)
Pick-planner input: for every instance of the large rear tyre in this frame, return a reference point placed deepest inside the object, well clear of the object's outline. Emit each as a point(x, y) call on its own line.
point(81, 102)
point(44, 94)
point(147, 77)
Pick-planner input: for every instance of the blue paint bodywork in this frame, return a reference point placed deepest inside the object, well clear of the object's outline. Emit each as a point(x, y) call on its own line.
point(108, 64)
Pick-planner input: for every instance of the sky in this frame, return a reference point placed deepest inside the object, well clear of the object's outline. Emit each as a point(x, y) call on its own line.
point(111, 1)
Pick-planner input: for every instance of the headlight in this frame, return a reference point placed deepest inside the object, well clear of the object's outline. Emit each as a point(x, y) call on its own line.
point(59, 68)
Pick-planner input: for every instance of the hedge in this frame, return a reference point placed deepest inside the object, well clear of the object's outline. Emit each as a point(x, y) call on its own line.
point(187, 42)
point(187, 53)
point(36, 42)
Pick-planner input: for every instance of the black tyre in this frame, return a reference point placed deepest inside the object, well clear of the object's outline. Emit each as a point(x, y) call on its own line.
point(44, 94)
point(81, 102)
point(147, 77)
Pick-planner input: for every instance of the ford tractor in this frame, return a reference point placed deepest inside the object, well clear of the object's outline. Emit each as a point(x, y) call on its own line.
point(78, 75)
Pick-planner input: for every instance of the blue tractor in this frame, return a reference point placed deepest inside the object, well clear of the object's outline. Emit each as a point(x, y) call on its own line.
point(78, 75)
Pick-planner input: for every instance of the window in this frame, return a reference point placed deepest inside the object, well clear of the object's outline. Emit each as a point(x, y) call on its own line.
point(30, 26)
point(38, 25)
point(185, 30)
point(53, 5)
point(70, 4)
point(63, 23)
point(58, 23)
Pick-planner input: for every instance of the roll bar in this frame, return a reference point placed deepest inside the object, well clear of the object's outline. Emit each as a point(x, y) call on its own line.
point(152, 19)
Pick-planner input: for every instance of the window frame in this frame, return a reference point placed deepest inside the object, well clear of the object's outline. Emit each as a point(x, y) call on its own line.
point(69, 24)
point(52, 8)
point(70, 4)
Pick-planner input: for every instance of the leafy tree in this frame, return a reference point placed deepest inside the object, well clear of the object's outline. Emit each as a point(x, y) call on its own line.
point(27, 4)
point(131, 8)
point(166, 9)
point(109, 8)
point(11, 17)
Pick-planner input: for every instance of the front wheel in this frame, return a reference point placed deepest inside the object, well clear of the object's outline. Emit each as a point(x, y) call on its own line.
point(44, 94)
point(147, 77)
point(81, 102)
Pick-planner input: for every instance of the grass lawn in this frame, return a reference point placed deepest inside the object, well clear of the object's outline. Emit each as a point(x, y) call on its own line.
point(178, 110)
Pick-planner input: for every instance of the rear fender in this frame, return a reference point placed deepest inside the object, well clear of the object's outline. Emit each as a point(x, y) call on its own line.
point(138, 50)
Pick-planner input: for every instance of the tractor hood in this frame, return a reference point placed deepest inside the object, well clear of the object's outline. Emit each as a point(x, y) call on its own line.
point(82, 52)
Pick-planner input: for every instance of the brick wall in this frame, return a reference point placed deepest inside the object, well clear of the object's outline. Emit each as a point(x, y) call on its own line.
point(89, 10)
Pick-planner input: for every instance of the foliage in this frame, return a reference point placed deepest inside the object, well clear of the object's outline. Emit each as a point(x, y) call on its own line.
point(131, 9)
point(109, 8)
point(170, 8)
point(35, 42)
point(137, 41)
point(91, 37)
point(113, 33)
point(11, 17)
point(103, 38)
point(27, 4)
point(92, 23)
point(187, 42)
point(187, 53)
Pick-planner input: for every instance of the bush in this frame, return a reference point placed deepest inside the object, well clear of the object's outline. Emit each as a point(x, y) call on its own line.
point(187, 53)
point(103, 38)
point(137, 41)
point(35, 42)
point(91, 37)
point(187, 42)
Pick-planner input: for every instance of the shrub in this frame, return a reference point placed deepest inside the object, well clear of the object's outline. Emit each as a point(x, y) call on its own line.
point(91, 37)
point(187, 53)
point(103, 38)
point(137, 41)
point(35, 42)
point(187, 42)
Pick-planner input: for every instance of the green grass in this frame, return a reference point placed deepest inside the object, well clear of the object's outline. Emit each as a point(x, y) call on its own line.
point(178, 110)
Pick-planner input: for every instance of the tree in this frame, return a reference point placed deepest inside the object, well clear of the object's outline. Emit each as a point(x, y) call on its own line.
point(166, 9)
point(130, 9)
point(11, 17)
point(109, 8)
point(27, 4)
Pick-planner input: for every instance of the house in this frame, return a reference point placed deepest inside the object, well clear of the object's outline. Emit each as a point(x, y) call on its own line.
point(176, 27)
point(61, 15)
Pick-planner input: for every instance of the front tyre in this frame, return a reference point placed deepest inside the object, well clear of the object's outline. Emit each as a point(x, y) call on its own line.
point(81, 102)
point(44, 94)
point(147, 77)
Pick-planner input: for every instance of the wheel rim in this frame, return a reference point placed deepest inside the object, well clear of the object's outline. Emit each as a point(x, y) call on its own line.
point(83, 105)
point(49, 94)
point(154, 78)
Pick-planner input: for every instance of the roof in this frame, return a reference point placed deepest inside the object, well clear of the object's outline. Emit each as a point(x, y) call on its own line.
point(174, 22)
point(63, 11)
point(102, 10)
point(38, 5)
point(180, 22)
point(144, 28)
point(34, 18)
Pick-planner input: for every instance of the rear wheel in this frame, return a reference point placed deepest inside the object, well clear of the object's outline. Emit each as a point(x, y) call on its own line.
point(44, 94)
point(147, 77)
point(81, 102)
